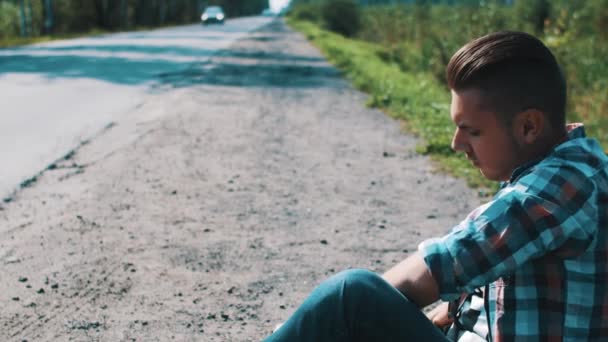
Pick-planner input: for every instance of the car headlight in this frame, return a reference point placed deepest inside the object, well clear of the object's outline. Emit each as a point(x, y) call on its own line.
point(204, 17)
point(219, 16)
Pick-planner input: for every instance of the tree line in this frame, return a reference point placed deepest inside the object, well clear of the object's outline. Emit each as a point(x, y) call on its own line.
point(31, 18)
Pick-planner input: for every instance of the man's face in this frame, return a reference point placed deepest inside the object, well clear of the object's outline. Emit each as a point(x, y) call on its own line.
point(480, 134)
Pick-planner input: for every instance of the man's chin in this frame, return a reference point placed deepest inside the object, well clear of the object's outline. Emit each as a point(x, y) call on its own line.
point(492, 176)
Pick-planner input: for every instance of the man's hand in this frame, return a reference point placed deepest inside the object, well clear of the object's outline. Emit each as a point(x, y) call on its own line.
point(439, 315)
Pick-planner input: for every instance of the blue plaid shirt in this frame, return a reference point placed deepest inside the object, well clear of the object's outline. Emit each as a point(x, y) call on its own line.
point(539, 250)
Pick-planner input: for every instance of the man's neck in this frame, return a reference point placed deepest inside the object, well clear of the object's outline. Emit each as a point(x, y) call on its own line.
point(547, 143)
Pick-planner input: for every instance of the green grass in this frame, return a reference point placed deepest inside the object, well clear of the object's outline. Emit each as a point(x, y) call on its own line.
point(417, 98)
point(19, 41)
point(8, 42)
point(15, 41)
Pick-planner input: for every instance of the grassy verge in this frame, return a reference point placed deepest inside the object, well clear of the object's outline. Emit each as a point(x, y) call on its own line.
point(19, 41)
point(417, 98)
point(8, 42)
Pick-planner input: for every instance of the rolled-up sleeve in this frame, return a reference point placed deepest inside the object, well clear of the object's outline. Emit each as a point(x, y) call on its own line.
point(497, 238)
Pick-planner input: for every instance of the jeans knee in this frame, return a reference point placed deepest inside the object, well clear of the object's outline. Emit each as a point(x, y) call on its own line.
point(356, 274)
point(360, 280)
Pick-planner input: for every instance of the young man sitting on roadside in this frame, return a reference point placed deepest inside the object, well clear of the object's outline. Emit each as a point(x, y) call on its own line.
point(530, 265)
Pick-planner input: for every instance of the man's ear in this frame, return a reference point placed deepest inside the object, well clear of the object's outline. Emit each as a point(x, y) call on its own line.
point(529, 125)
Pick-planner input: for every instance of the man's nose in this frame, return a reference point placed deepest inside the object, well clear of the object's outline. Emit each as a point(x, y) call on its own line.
point(458, 143)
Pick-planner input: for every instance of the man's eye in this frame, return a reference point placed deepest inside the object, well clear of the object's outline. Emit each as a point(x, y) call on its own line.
point(474, 133)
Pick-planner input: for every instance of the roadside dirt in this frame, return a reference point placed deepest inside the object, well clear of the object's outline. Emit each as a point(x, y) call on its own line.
point(212, 209)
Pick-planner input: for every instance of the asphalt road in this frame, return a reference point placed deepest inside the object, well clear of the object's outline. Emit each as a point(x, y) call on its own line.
point(56, 96)
point(209, 210)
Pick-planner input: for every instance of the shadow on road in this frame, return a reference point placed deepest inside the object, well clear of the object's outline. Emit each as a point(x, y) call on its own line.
point(109, 69)
point(149, 50)
point(259, 75)
point(167, 62)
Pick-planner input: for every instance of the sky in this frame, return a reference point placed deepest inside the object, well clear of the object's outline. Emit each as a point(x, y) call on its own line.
point(276, 5)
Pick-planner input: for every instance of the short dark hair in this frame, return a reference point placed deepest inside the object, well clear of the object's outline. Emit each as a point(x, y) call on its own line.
point(515, 71)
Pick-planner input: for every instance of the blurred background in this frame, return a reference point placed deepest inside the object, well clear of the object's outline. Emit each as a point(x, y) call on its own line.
point(33, 18)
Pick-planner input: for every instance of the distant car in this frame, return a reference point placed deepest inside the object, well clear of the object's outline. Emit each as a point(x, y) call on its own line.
point(213, 14)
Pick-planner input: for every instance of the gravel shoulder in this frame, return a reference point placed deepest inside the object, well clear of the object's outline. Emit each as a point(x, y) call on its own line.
point(215, 206)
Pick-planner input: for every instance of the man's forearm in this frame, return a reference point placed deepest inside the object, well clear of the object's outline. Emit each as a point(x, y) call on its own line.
point(413, 278)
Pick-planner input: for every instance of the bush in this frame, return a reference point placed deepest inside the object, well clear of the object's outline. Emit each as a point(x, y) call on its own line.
point(342, 16)
point(9, 20)
point(308, 12)
point(534, 14)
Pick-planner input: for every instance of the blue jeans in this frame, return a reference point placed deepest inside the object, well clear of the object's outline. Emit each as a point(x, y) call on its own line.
point(357, 305)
